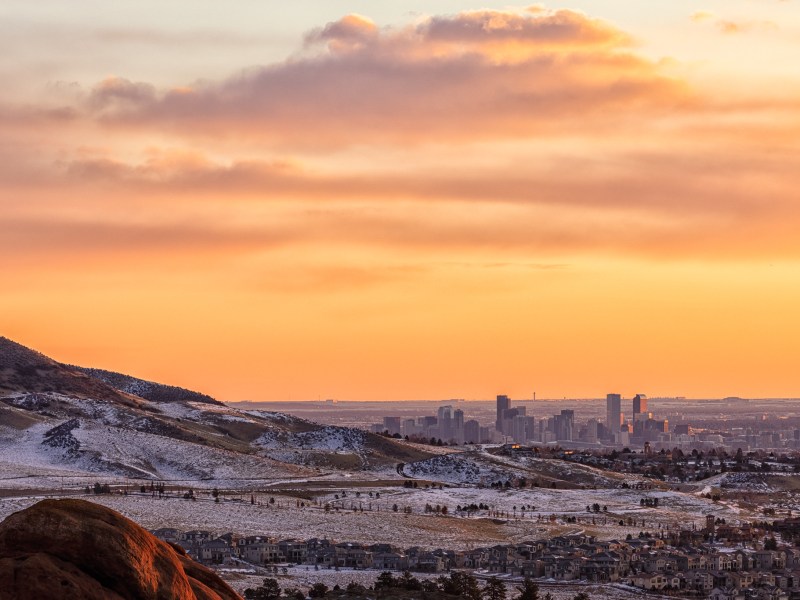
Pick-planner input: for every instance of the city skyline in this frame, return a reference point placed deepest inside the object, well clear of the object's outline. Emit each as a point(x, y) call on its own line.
point(668, 429)
point(405, 200)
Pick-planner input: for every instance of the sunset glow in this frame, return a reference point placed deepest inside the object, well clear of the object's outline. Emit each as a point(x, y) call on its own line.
point(420, 200)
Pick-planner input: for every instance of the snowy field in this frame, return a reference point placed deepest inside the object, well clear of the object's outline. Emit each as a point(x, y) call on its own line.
point(363, 519)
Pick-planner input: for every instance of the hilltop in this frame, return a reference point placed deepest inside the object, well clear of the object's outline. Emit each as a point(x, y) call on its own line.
point(23, 370)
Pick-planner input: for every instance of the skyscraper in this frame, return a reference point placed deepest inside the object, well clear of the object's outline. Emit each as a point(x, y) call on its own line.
point(639, 405)
point(591, 431)
point(562, 425)
point(472, 432)
point(613, 412)
point(391, 424)
point(458, 426)
point(445, 419)
point(503, 404)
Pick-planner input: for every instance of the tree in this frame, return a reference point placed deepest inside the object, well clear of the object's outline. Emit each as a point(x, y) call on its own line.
point(408, 581)
point(770, 544)
point(470, 589)
point(528, 590)
point(385, 581)
point(355, 589)
point(494, 589)
point(460, 584)
point(318, 590)
point(429, 586)
point(268, 590)
point(581, 596)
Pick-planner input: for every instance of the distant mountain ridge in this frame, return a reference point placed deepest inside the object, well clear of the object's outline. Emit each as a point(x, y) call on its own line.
point(25, 370)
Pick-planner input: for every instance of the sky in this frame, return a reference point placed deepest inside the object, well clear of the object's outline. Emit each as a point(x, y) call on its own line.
point(406, 199)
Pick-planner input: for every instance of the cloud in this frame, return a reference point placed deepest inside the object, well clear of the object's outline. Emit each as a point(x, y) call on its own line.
point(726, 26)
point(558, 139)
point(118, 94)
point(348, 33)
point(665, 181)
point(474, 75)
point(701, 16)
point(730, 26)
point(535, 27)
point(666, 203)
point(49, 243)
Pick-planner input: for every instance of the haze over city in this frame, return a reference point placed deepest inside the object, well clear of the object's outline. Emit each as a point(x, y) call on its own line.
point(406, 200)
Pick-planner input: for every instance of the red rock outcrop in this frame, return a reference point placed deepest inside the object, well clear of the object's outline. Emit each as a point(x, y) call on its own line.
point(74, 549)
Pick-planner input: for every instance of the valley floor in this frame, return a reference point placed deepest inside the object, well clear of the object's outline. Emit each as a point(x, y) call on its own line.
point(299, 510)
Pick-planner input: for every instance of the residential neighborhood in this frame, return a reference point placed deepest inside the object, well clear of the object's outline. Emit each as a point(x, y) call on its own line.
point(720, 562)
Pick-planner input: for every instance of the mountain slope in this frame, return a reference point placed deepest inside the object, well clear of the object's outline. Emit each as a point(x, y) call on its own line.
point(26, 370)
point(62, 421)
point(149, 390)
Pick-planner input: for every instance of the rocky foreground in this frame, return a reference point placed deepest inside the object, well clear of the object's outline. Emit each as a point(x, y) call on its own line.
point(67, 549)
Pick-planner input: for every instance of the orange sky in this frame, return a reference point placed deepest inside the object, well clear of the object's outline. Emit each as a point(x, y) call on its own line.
point(567, 199)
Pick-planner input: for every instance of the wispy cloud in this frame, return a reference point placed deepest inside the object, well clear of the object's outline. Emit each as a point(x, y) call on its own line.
point(596, 149)
point(745, 26)
point(733, 26)
point(700, 16)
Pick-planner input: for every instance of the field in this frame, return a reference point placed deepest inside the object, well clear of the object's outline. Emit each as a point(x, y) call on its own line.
point(515, 515)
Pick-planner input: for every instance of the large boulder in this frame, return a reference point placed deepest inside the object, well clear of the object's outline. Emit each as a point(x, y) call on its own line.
point(74, 549)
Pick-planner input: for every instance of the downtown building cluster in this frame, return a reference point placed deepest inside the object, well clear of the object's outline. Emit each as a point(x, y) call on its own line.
point(516, 426)
point(447, 425)
point(513, 424)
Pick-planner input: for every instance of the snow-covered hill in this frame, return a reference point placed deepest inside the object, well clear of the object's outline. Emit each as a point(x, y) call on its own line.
point(80, 439)
point(60, 420)
point(480, 467)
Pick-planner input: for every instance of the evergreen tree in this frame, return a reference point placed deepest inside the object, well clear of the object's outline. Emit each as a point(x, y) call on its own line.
point(318, 590)
point(460, 584)
point(528, 590)
point(268, 590)
point(408, 581)
point(385, 581)
point(494, 589)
